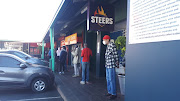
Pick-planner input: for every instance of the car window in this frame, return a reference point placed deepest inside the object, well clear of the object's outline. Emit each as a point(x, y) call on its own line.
point(25, 54)
point(6, 61)
point(19, 54)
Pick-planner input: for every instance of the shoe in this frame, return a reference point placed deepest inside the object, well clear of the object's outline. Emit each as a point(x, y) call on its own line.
point(74, 76)
point(107, 94)
point(82, 82)
point(88, 82)
point(59, 72)
point(77, 75)
point(62, 72)
point(112, 97)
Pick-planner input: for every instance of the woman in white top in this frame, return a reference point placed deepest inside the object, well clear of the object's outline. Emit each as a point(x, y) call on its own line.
point(57, 58)
point(58, 52)
point(75, 54)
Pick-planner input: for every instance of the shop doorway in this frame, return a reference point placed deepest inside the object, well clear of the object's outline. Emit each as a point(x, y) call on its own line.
point(92, 43)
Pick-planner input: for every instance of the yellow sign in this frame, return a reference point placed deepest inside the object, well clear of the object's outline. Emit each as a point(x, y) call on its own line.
point(72, 39)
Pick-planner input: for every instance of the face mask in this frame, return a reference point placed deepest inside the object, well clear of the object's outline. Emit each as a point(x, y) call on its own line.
point(104, 42)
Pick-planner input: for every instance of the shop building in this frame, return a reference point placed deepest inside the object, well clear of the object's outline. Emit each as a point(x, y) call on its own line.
point(90, 21)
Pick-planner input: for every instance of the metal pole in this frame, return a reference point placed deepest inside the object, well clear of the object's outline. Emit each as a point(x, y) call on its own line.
point(52, 47)
point(28, 49)
point(42, 55)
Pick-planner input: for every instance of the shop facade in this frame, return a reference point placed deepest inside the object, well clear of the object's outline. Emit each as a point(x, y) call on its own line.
point(92, 33)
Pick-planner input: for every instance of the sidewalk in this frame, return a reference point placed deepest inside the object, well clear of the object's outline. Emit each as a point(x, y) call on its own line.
point(71, 89)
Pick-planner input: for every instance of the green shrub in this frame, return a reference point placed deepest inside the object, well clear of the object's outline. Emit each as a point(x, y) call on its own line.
point(121, 44)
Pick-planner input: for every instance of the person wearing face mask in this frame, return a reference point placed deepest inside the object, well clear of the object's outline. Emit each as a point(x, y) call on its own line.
point(111, 62)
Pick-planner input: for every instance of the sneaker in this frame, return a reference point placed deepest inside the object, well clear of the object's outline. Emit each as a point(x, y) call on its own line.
point(112, 97)
point(82, 82)
point(74, 76)
point(62, 72)
point(77, 75)
point(59, 72)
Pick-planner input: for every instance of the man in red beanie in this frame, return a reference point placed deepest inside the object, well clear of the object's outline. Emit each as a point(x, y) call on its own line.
point(111, 62)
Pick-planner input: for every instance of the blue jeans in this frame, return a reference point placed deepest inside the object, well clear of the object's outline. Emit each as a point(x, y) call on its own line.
point(65, 67)
point(85, 71)
point(111, 80)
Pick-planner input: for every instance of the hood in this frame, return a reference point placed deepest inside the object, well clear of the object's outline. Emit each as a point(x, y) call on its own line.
point(36, 65)
point(37, 61)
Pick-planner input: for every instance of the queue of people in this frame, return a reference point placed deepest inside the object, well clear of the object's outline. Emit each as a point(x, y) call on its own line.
point(83, 60)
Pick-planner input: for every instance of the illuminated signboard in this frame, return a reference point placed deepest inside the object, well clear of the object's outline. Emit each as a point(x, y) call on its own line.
point(72, 39)
point(62, 43)
point(100, 17)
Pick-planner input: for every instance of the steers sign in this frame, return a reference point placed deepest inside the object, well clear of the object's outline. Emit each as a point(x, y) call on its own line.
point(100, 17)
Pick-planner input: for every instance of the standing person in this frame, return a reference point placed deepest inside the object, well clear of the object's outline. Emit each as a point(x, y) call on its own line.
point(75, 54)
point(86, 53)
point(111, 62)
point(49, 54)
point(80, 69)
point(57, 58)
point(62, 59)
point(58, 52)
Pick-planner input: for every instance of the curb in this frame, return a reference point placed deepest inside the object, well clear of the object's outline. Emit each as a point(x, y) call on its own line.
point(60, 92)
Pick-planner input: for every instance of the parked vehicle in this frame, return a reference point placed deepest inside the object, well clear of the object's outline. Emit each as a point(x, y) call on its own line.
point(26, 57)
point(17, 73)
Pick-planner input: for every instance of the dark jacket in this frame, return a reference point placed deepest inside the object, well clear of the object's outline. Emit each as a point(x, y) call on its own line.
point(63, 56)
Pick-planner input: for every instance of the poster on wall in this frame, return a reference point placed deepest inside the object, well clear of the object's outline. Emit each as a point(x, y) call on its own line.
point(35, 51)
point(62, 43)
point(100, 17)
point(31, 51)
point(154, 21)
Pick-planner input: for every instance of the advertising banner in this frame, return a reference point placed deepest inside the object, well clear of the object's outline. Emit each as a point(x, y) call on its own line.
point(62, 43)
point(100, 17)
point(72, 39)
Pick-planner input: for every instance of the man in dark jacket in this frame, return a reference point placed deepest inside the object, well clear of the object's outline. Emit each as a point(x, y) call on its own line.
point(62, 59)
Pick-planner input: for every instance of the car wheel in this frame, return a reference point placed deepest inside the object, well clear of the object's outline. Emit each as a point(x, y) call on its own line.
point(39, 85)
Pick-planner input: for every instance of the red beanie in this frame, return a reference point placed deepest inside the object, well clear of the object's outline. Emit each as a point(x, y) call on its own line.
point(106, 37)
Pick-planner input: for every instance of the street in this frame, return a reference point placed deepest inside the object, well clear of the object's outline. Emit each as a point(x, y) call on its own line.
point(28, 95)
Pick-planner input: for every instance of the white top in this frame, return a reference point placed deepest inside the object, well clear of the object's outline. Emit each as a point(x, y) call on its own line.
point(58, 52)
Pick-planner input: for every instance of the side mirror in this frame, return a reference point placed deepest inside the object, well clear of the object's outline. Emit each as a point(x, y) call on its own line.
point(22, 65)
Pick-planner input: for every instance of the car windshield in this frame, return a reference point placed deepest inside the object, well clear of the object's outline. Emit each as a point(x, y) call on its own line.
point(27, 55)
point(20, 54)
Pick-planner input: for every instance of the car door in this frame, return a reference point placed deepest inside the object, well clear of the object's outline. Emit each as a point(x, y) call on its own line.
point(10, 72)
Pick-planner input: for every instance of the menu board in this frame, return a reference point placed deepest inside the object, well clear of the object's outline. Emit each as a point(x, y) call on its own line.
point(154, 21)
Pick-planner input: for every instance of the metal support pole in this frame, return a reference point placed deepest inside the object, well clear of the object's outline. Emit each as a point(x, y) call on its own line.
point(52, 47)
point(42, 55)
point(28, 49)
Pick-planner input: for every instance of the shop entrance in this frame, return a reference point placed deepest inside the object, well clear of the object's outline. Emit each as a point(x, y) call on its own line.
point(92, 42)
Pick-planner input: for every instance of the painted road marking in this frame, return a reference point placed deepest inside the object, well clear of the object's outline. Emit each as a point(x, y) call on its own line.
point(34, 99)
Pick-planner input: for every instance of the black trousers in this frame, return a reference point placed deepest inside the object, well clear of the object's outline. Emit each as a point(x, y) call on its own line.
point(57, 63)
point(61, 67)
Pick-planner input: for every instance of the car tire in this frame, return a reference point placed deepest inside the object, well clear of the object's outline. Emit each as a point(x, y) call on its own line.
point(39, 85)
